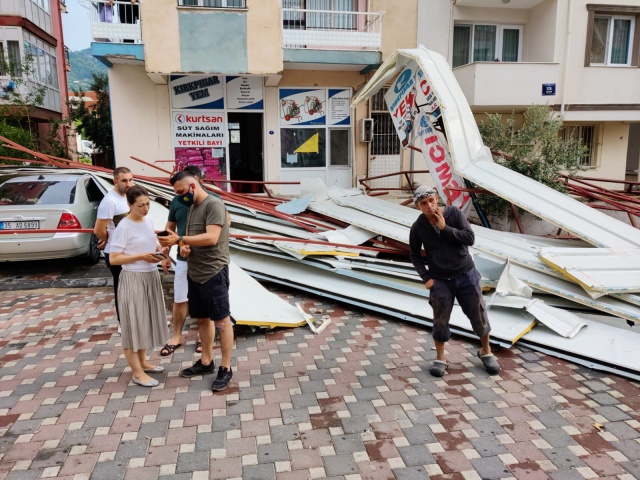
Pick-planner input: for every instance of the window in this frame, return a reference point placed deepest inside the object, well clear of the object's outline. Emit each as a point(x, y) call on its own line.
point(385, 139)
point(310, 146)
point(333, 18)
point(339, 147)
point(15, 59)
point(213, 3)
point(486, 43)
point(611, 40)
point(587, 134)
point(38, 192)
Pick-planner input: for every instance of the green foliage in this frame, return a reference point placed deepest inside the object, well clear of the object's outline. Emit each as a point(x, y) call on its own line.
point(535, 150)
point(15, 134)
point(95, 123)
point(83, 66)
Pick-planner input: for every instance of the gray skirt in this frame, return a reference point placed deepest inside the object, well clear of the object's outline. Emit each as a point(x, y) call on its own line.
point(143, 318)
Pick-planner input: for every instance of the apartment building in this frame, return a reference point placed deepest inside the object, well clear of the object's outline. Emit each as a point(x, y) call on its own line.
point(247, 89)
point(580, 57)
point(32, 29)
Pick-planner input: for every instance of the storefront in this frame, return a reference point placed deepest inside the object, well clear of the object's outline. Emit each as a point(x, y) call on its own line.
point(217, 124)
point(315, 135)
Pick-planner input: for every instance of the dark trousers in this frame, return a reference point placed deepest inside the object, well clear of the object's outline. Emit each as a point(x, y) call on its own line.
point(467, 291)
point(115, 272)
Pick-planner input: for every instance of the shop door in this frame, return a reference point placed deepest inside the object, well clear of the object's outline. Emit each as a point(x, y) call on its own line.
point(245, 150)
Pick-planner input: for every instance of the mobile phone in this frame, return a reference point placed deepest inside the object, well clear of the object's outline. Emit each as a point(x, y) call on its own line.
point(163, 233)
point(160, 255)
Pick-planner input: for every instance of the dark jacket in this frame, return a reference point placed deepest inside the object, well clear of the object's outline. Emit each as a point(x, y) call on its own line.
point(448, 253)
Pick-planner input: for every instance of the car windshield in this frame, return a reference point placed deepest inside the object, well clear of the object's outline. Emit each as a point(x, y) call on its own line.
point(41, 192)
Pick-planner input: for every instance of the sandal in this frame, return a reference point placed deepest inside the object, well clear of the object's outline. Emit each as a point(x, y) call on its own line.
point(490, 362)
point(198, 346)
point(438, 368)
point(169, 349)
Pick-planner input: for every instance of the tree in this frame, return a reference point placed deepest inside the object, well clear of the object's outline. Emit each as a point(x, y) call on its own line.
point(95, 123)
point(536, 150)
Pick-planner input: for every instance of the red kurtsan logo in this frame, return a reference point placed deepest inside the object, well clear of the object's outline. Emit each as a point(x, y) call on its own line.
point(185, 118)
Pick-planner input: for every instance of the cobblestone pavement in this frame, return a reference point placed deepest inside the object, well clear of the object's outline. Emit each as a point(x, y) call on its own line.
point(354, 402)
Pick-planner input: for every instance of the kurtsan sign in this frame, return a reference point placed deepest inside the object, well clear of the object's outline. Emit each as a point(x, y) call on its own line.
point(204, 129)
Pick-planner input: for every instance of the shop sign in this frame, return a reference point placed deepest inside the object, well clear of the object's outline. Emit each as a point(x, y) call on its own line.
point(338, 112)
point(197, 91)
point(413, 104)
point(202, 128)
point(244, 93)
point(302, 107)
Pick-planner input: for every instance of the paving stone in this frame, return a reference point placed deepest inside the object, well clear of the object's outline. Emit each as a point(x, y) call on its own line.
point(223, 424)
point(487, 427)
point(490, 467)
point(24, 475)
point(562, 457)
point(419, 435)
point(273, 452)
point(557, 437)
point(551, 419)
point(340, 465)
point(416, 455)
point(284, 433)
point(295, 415)
point(192, 461)
point(355, 425)
point(566, 474)
point(132, 449)
point(263, 471)
point(347, 443)
point(410, 473)
point(622, 431)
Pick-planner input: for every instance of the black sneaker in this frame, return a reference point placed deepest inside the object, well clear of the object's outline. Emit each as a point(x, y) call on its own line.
point(198, 368)
point(222, 380)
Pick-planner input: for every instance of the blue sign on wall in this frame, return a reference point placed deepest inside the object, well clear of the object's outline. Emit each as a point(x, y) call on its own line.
point(548, 89)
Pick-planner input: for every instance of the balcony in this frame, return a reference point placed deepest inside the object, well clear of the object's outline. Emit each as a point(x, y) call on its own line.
point(115, 31)
point(115, 23)
point(507, 85)
point(67, 59)
point(331, 37)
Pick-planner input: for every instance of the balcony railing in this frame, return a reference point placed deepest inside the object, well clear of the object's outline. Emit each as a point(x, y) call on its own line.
point(213, 3)
point(331, 29)
point(117, 22)
point(67, 58)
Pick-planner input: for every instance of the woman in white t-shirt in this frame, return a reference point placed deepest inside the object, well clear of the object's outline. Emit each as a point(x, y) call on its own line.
point(140, 298)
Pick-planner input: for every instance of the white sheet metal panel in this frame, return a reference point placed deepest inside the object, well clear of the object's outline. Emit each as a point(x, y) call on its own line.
point(598, 344)
point(266, 309)
point(473, 160)
point(605, 270)
point(506, 327)
point(571, 291)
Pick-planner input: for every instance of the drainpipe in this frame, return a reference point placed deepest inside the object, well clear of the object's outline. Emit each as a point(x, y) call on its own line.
point(566, 57)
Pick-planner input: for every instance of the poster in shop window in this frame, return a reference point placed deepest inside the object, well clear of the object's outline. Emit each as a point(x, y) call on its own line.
point(338, 112)
point(302, 107)
point(200, 138)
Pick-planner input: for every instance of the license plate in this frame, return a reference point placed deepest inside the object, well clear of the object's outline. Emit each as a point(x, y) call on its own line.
point(30, 225)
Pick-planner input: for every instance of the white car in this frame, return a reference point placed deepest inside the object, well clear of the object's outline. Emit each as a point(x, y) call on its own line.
point(48, 202)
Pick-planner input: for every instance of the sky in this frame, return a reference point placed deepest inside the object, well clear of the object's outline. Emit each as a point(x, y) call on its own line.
point(75, 25)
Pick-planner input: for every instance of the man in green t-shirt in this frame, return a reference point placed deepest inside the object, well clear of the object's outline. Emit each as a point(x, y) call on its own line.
point(206, 248)
point(177, 222)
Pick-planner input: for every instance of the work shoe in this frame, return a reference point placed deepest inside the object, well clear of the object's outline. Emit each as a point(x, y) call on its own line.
point(490, 362)
point(222, 380)
point(438, 368)
point(198, 368)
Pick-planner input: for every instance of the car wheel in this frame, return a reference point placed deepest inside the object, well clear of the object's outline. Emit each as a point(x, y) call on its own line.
point(93, 254)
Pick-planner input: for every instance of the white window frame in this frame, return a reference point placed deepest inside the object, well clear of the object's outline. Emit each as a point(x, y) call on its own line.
point(609, 42)
point(499, 40)
point(200, 4)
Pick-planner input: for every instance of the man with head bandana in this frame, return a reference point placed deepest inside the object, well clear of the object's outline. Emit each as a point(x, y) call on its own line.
point(446, 235)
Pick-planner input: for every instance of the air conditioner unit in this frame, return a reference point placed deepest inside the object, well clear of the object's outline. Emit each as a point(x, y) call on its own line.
point(366, 130)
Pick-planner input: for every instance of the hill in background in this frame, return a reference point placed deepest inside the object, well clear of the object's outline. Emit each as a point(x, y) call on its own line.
point(83, 64)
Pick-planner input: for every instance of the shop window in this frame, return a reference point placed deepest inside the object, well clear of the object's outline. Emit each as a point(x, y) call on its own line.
point(587, 134)
point(486, 43)
point(339, 147)
point(303, 147)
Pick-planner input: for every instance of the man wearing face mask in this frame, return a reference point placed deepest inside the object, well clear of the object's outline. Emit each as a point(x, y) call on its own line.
point(206, 248)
